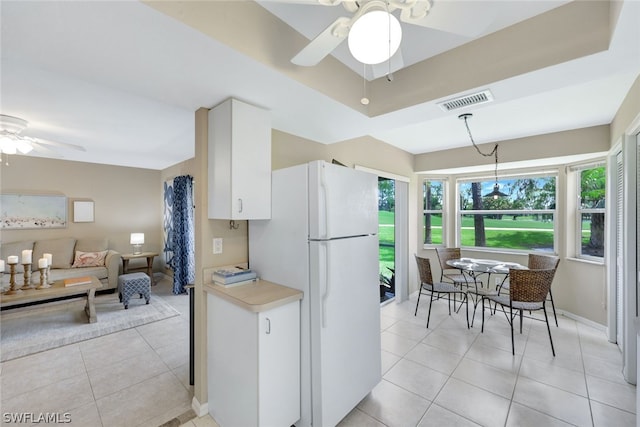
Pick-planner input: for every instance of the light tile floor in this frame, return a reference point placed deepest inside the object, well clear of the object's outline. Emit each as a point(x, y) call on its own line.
point(449, 375)
point(446, 375)
point(135, 377)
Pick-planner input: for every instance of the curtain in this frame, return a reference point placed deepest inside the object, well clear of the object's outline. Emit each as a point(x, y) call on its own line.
point(167, 223)
point(183, 234)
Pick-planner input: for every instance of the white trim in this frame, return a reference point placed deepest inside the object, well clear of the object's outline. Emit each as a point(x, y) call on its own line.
point(629, 250)
point(609, 299)
point(508, 175)
point(200, 409)
point(383, 174)
point(582, 320)
point(587, 165)
point(402, 241)
point(634, 127)
point(401, 230)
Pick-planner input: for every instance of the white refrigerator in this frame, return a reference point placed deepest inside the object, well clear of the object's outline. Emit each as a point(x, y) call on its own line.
point(322, 239)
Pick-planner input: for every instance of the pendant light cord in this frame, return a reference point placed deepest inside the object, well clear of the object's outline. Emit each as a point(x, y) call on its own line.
point(493, 152)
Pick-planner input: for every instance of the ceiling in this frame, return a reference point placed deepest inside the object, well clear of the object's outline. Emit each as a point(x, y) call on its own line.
point(123, 78)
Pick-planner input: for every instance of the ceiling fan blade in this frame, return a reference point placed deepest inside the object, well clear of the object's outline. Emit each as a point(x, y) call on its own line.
point(41, 148)
point(324, 43)
point(384, 68)
point(457, 17)
point(45, 142)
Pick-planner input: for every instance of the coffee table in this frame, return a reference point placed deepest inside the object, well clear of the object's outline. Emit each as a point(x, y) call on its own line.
point(50, 296)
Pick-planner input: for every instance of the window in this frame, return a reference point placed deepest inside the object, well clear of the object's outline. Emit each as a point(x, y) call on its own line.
point(432, 201)
point(590, 212)
point(522, 220)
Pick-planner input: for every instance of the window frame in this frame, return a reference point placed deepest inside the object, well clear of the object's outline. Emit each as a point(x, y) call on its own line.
point(511, 176)
point(442, 211)
point(578, 169)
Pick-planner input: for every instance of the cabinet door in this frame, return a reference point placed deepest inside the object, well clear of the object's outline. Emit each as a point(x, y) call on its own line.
point(232, 354)
point(251, 162)
point(239, 161)
point(279, 365)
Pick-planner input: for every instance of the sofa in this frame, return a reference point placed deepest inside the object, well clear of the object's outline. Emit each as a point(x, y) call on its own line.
point(71, 257)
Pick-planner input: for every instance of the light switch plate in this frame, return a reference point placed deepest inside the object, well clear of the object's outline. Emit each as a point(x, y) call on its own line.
point(217, 245)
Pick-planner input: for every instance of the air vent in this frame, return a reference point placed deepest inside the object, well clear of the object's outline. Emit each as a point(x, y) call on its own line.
point(467, 100)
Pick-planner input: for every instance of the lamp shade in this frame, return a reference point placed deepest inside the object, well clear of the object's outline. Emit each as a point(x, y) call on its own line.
point(137, 238)
point(375, 37)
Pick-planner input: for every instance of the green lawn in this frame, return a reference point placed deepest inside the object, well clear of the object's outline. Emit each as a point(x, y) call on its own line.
point(387, 240)
point(525, 232)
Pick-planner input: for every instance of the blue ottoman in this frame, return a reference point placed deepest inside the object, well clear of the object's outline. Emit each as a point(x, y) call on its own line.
point(131, 284)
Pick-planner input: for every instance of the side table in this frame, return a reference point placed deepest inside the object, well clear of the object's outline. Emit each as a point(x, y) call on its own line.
point(148, 255)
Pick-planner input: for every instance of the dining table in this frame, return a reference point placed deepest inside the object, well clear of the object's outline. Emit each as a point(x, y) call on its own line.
point(475, 268)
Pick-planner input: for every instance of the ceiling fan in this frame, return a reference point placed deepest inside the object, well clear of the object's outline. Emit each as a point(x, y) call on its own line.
point(442, 15)
point(12, 141)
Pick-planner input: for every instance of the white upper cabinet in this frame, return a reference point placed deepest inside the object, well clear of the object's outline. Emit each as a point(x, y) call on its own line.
point(239, 161)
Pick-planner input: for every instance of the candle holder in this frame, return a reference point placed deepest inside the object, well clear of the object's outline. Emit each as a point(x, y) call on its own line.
point(13, 290)
point(48, 279)
point(27, 277)
point(43, 279)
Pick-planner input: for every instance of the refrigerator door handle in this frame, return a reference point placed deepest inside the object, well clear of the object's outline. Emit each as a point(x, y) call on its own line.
point(327, 282)
point(325, 190)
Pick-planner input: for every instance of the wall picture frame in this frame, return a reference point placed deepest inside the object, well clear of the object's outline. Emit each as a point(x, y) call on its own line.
point(29, 211)
point(83, 211)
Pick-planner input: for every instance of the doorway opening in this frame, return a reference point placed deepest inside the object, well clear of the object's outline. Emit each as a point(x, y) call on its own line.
point(387, 238)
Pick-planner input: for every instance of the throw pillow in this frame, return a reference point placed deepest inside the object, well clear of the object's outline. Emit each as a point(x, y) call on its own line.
point(89, 259)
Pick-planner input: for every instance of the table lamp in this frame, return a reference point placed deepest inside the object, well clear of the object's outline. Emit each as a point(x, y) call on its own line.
point(137, 240)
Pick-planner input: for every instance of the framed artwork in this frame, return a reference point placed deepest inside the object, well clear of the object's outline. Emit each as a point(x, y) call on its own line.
point(27, 211)
point(83, 211)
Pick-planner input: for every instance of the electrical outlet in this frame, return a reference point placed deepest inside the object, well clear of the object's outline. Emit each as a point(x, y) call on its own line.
point(217, 245)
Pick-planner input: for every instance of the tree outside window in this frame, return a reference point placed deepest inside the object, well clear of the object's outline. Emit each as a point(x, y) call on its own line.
point(591, 210)
point(432, 200)
point(523, 220)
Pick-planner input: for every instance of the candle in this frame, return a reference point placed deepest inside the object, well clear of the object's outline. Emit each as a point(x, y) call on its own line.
point(1, 266)
point(42, 263)
point(26, 256)
point(48, 257)
point(12, 259)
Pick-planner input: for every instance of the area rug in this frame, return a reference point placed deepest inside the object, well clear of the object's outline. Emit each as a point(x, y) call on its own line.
point(43, 331)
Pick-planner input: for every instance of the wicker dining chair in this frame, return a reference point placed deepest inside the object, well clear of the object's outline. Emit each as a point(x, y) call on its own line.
point(545, 262)
point(528, 290)
point(541, 262)
point(436, 289)
point(448, 273)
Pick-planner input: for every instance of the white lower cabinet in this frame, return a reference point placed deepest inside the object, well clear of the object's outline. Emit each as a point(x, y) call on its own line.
point(253, 364)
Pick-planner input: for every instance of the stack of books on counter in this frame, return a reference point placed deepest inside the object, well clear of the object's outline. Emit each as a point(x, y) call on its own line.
point(233, 276)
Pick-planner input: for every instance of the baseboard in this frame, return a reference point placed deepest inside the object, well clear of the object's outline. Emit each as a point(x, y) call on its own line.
point(201, 409)
point(581, 319)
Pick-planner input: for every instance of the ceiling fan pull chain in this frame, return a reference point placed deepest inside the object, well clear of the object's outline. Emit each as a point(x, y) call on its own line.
point(364, 100)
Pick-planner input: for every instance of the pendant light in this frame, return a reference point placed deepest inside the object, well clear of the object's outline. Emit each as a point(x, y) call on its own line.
point(496, 188)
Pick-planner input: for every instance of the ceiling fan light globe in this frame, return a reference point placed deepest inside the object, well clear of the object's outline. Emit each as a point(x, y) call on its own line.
point(7, 145)
point(375, 37)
